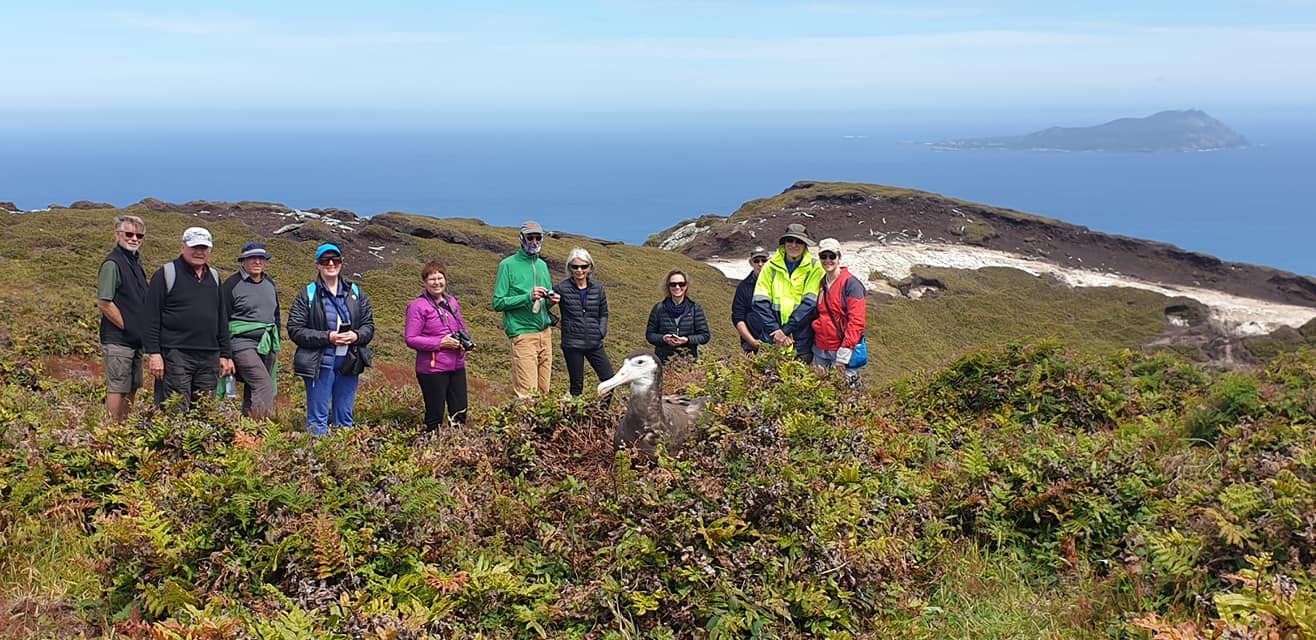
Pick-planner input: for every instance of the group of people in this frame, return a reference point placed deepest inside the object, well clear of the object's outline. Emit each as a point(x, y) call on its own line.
point(189, 328)
point(794, 298)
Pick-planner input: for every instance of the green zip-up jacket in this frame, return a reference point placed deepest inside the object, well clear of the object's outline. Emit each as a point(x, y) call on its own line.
point(518, 275)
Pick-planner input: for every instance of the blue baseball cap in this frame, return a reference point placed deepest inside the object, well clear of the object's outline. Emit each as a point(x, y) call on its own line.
point(327, 248)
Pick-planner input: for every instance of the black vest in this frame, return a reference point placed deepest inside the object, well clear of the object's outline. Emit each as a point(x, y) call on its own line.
point(130, 298)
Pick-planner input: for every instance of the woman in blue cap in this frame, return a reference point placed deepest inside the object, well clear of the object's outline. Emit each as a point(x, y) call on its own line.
point(331, 323)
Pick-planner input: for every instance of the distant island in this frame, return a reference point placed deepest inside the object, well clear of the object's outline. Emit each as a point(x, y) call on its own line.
point(1190, 130)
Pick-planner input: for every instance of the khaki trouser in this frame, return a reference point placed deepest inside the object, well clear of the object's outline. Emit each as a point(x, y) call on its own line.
point(532, 362)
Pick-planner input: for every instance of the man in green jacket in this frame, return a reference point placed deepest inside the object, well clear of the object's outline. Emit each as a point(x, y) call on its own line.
point(786, 295)
point(523, 293)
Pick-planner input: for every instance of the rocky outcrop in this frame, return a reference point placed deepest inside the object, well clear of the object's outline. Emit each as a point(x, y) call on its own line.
point(888, 216)
point(88, 204)
point(416, 226)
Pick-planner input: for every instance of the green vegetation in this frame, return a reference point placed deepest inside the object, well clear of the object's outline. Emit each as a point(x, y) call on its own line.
point(996, 305)
point(976, 232)
point(1023, 492)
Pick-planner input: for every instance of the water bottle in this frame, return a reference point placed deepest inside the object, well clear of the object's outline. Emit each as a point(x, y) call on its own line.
point(230, 386)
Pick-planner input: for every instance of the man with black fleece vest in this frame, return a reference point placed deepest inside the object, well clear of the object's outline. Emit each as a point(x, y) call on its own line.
point(187, 339)
point(121, 298)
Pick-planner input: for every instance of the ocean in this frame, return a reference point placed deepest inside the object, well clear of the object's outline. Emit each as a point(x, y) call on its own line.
point(627, 182)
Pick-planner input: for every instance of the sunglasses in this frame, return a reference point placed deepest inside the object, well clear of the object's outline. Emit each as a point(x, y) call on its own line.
point(828, 255)
point(792, 241)
point(328, 261)
point(535, 238)
point(675, 285)
point(130, 234)
point(758, 260)
point(578, 267)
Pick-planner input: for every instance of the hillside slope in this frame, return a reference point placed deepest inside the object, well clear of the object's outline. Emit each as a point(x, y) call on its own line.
point(937, 310)
point(48, 269)
point(893, 236)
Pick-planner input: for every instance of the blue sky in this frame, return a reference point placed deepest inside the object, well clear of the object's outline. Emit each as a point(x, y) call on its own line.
point(651, 55)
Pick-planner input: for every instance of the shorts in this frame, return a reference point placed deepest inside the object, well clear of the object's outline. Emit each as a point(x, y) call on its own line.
point(123, 368)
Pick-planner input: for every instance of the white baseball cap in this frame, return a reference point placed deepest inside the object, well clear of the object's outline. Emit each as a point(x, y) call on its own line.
point(197, 237)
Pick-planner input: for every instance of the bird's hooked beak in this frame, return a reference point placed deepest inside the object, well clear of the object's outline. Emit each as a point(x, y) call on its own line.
point(632, 370)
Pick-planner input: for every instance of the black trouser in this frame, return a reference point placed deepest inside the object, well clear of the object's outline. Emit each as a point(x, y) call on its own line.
point(804, 343)
point(598, 359)
point(439, 389)
point(189, 373)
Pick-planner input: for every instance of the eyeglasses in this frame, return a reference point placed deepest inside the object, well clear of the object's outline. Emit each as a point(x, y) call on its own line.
point(828, 255)
point(534, 238)
point(675, 285)
point(328, 261)
point(578, 267)
point(130, 234)
point(758, 260)
point(792, 241)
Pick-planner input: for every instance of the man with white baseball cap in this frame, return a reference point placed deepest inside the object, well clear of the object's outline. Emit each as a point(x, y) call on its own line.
point(187, 338)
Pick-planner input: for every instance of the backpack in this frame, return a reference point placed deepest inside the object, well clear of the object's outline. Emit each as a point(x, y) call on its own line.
point(310, 292)
point(170, 275)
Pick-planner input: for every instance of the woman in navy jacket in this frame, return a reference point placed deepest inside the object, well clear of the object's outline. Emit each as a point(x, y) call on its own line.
point(584, 322)
point(677, 324)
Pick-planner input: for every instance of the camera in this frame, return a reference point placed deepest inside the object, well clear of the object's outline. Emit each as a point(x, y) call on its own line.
point(464, 339)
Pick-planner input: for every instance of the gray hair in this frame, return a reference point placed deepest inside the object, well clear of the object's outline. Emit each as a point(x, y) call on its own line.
point(125, 219)
point(578, 253)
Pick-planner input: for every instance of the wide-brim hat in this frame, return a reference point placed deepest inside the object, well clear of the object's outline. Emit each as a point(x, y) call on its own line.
point(255, 250)
point(797, 231)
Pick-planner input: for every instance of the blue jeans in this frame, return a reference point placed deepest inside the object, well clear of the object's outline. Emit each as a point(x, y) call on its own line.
point(329, 387)
point(827, 360)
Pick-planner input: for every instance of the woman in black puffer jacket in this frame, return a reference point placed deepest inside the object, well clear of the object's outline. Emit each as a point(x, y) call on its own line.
point(584, 322)
point(677, 324)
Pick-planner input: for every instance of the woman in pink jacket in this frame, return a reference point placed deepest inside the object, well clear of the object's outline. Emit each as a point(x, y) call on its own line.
point(437, 331)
